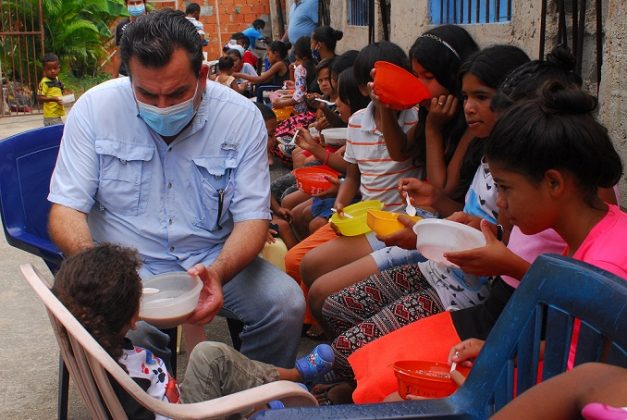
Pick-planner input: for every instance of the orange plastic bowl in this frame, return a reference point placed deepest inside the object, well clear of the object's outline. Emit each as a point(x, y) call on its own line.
point(385, 223)
point(398, 87)
point(425, 379)
point(311, 179)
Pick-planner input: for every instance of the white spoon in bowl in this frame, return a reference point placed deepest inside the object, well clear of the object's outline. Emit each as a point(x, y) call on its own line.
point(348, 216)
point(409, 209)
point(150, 291)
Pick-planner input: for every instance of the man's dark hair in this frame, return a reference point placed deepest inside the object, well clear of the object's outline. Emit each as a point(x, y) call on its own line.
point(192, 8)
point(259, 24)
point(152, 39)
point(239, 36)
point(49, 58)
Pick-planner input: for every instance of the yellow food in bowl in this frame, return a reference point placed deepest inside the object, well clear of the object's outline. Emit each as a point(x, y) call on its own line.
point(385, 223)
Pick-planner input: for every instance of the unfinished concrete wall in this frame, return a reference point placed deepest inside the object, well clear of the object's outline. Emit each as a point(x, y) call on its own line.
point(613, 87)
point(410, 18)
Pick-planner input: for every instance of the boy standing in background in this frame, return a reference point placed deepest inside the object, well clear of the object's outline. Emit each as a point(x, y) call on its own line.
point(50, 90)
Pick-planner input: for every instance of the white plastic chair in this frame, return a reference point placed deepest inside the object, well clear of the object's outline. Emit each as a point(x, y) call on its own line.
point(88, 364)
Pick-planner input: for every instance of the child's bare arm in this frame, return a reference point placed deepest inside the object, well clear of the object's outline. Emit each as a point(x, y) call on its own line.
point(349, 187)
point(565, 395)
point(396, 140)
point(492, 259)
point(42, 99)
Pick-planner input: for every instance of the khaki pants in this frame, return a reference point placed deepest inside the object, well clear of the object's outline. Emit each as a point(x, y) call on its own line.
point(216, 369)
point(52, 121)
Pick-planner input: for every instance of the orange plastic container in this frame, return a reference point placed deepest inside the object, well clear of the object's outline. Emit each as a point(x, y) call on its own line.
point(397, 87)
point(311, 179)
point(385, 223)
point(425, 379)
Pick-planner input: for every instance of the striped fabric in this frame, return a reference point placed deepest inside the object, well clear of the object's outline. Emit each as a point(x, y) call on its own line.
point(366, 147)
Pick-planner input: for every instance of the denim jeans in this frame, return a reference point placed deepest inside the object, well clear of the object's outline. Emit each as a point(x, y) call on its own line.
point(393, 256)
point(269, 303)
point(272, 307)
point(216, 369)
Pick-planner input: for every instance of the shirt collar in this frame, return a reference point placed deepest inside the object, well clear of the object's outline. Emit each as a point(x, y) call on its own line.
point(368, 123)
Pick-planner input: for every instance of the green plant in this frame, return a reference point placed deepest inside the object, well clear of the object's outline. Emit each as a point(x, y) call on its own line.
point(78, 30)
point(78, 85)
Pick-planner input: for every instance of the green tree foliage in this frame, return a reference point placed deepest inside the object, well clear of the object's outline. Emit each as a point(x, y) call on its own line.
point(78, 31)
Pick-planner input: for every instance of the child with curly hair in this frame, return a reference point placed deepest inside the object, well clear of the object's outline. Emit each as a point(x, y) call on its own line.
point(101, 288)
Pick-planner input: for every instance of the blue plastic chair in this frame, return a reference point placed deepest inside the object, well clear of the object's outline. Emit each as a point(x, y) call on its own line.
point(26, 163)
point(555, 291)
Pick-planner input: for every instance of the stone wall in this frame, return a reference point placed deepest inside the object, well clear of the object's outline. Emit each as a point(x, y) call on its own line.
point(613, 87)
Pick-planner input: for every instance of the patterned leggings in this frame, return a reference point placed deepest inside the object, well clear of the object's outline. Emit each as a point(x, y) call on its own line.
point(375, 307)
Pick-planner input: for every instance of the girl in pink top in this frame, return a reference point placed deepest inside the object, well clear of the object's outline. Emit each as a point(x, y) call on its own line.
point(549, 157)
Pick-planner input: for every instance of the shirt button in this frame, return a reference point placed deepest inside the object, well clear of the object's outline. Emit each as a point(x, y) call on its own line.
point(169, 149)
point(169, 185)
point(169, 221)
point(171, 249)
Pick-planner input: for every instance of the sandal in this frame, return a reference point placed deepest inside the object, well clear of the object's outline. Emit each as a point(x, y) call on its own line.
point(333, 394)
point(315, 332)
point(316, 364)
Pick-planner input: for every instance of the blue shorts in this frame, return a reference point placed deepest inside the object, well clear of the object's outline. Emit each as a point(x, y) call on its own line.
point(321, 207)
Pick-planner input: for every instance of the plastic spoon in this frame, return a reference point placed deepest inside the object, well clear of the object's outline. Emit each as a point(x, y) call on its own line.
point(325, 101)
point(409, 209)
point(348, 216)
point(295, 135)
point(150, 291)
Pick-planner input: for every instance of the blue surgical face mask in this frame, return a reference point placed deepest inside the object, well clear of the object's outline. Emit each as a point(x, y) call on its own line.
point(168, 121)
point(136, 10)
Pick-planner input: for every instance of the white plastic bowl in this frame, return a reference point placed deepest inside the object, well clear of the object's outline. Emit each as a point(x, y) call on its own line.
point(176, 300)
point(437, 236)
point(68, 99)
point(334, 136)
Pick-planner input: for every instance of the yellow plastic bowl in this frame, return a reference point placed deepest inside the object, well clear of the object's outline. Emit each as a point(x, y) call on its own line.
point(385, 223)
point(283, 113)
point(357, 224)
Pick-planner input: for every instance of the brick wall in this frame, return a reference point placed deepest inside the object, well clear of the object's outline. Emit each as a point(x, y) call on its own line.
point(234, 16)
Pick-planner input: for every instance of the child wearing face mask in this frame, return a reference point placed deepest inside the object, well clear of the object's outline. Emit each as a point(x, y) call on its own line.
point(135, 8)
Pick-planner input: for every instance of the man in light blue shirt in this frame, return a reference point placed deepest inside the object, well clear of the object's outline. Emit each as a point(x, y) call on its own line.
point(302, 20)
point(175, 166)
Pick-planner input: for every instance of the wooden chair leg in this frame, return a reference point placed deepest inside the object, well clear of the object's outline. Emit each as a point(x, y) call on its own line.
point(62, 396)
